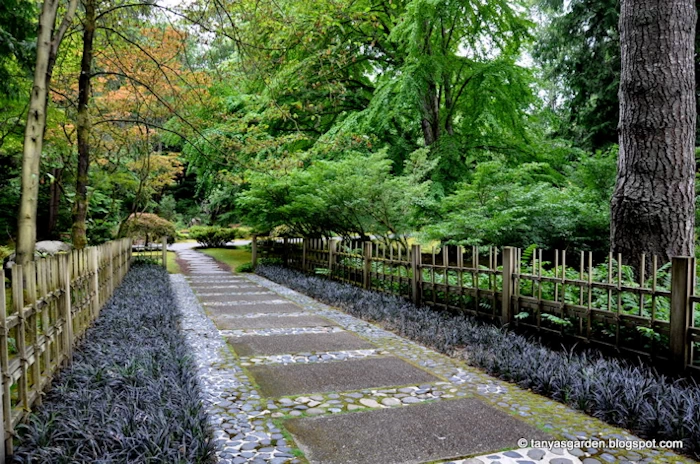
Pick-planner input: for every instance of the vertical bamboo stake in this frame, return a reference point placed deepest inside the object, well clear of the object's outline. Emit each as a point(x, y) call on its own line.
point(304, 251)
point(509, 254)
point(332, 248)
point(94, 264)
point(682, 282)
point(32, 330)
point(42, 273)
point(367, 264)
point(64, 269)
point(164, 249)
point(6, 423)
point(416, 279)
point(590, 295)
point(254, 250)
point(18, 304)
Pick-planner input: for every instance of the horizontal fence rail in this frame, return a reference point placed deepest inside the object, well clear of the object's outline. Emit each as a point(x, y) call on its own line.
point(649, 311)
point(50, 304)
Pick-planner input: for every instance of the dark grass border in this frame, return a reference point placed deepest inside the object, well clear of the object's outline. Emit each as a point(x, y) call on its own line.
point(130, 393)
point(623, 393)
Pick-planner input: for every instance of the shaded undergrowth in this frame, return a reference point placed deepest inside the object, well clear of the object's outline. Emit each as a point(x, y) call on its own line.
point(130, 394)
point(620, 392)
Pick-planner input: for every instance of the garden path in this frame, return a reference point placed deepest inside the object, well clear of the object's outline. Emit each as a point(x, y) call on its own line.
point(287, 379)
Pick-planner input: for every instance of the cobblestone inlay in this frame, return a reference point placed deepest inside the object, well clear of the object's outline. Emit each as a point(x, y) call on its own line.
point(555, 418)
point(307, 358)
point(527, 456)
point(245, 303)
point(334, 403)
point(243, 429)
point(233, 293)
point(292, 331)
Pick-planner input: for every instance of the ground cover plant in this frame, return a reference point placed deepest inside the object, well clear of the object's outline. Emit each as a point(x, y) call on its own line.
point(130, 394)
point(617, 391)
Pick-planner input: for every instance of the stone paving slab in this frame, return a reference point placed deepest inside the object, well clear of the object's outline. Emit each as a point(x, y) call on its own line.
point(228, 322)
point(295, 379)
point(417, 434)
point(241, 310)
point(293, 344)
point(234, 298)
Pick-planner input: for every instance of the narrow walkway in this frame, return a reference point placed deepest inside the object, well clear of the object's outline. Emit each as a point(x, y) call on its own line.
point(289, 380)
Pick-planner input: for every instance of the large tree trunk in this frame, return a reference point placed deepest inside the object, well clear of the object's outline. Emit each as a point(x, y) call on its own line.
point(653, 207)
point(80, 207)
point(46, 50)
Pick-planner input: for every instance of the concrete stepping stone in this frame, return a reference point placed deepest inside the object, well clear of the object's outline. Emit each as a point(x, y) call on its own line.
point(232, 297)
point(301, 343)
point(297, 379)
point(242, 310)
point(420, 433)
point(227, 322)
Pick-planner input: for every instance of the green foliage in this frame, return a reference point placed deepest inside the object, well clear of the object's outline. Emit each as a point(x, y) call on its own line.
point(213, 236)
point(521, 205)
point(5, 252)
point(356, 195)
point(579, 50)
point(149, 227)
point(17, 32)
point(246, 267)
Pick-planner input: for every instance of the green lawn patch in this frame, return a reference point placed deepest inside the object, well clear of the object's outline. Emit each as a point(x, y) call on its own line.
point(232, 257)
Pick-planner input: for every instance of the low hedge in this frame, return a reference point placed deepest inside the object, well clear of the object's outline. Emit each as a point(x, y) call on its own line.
point(130, 393)
point(213, 236)
point(622, 393)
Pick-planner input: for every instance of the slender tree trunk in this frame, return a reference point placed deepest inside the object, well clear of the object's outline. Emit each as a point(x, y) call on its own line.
point(80, 207)
point(653, 207)
point(46, 50)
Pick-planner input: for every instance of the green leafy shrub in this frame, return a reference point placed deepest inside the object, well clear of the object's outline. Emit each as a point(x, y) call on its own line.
point(246, 267)
point(148, 227)
point(5, 252)
point(213, 236)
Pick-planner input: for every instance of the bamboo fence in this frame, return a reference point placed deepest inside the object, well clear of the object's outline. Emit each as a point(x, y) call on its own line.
point(650, 312)
point(52, 302)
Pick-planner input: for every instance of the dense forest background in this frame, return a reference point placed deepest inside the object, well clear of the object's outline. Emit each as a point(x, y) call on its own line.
point(470, 122)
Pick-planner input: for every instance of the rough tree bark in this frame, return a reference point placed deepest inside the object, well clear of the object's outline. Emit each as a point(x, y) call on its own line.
point(47, 44)
point(79, 229)
point(653, 206)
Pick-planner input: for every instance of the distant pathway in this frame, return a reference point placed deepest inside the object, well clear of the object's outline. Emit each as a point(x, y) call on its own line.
point(282, 373)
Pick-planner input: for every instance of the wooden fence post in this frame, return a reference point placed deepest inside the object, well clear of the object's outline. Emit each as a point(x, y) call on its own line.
point(304, 251)
point(5, 404)
point(164, 245)
point(64, 267)
point(112, 247)
point(285, 252)
point(367, 268)
point(509, 265)
point(95, 268)
point(254, 250)
point(18, 308)
point(332, 248)
point(682, 283)
point(416, 277)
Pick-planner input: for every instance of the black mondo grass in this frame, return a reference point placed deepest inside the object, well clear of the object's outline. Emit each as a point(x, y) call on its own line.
point(130, 394)
point(618, 391)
